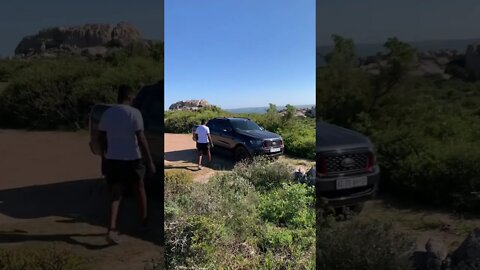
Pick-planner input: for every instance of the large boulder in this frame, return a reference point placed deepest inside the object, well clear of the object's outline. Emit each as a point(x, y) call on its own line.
point(78, 39)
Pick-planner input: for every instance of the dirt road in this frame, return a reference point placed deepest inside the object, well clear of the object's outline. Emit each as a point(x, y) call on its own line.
point(52, 194)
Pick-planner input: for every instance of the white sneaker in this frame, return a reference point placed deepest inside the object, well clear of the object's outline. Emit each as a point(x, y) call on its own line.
point(200, 167)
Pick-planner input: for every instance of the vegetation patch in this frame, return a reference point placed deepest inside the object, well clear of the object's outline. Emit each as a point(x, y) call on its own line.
point(235, 221)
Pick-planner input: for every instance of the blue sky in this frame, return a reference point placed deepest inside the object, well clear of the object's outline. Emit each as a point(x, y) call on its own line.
point(21, 18)
point(373, 21)
point(240, 53)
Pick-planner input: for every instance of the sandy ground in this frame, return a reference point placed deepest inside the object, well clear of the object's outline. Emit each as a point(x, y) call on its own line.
point(52, 194)
point(180, 153)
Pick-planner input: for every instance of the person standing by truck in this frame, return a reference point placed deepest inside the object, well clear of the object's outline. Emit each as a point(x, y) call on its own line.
point(123, 145)
point(204, 142)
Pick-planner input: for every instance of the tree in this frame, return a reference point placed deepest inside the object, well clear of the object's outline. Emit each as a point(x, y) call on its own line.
point(399, 62)
point(272, 109)
point(289, 112)
point(341, 86)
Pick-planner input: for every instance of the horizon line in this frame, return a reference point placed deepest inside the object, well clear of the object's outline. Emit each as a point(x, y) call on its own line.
point(417, 41)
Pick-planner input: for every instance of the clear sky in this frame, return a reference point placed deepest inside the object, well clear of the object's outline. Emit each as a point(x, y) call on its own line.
point(240, 53)
point(26, 17)
point(373, 21)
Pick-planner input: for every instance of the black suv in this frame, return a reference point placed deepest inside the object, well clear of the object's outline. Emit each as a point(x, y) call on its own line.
point(244, 138)
point(347, 171)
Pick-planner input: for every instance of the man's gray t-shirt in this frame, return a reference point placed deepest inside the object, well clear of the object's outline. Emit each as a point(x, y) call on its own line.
point(121, 122)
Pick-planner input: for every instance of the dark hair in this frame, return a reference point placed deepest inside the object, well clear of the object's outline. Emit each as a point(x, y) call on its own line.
point(203, 121)
point(125, 92)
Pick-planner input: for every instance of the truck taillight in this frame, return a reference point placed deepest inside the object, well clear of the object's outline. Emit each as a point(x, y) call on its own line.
point(372, 161)
point(322, 167)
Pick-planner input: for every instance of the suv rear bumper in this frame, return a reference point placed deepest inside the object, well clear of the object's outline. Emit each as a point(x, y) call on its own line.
point(326, 187)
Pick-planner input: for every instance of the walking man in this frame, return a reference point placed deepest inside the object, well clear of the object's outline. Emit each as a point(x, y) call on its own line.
point(204, 143)
point(124, 144)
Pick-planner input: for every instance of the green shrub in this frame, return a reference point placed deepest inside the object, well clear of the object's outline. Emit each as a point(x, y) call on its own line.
point(40, 258)
point(300, 139)
point(363, 246)
point(290, 205)
point(218, 225)
point(59, 93)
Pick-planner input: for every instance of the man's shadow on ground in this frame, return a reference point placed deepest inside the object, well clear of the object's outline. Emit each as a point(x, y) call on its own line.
point(221, 160)
point(81, 201)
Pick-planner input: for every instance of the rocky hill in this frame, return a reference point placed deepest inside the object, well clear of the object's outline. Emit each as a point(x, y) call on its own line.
point(189, 105)
point(428, 63)
point(462, 60)
point(89, 39)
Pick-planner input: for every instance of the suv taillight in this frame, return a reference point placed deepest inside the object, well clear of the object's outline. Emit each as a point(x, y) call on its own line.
point(372, 161)
point(322, 167)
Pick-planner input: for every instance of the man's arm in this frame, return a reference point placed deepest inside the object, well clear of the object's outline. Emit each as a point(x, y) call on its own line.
point(143, 144)
point(210, 140)
point(195, 135)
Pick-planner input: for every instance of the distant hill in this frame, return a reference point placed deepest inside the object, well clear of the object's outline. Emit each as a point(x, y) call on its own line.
point(260, 110)
point(364, 50)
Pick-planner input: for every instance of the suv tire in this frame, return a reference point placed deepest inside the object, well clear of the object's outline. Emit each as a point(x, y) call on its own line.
point(241, 153)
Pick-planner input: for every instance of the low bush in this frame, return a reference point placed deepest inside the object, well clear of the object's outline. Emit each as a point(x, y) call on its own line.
point(177, 182)
point(363, 246)
point(223, 224)
point(264, 174)
point(40, 258)
point(289, 206)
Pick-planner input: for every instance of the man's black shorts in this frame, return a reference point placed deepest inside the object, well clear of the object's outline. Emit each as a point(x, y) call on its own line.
point(123, 171)
point(203, 148)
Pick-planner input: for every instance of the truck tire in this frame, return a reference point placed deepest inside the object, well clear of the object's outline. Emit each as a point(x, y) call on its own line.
point(241, 154)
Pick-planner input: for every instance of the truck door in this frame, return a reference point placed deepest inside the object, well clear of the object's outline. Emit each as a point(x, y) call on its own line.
point(226, 135)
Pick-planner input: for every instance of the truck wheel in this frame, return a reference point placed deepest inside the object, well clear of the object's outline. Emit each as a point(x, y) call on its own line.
point(241, 154)
point(358, 208)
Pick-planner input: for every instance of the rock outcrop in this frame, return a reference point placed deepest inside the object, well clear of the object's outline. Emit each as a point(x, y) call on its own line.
point(189, 105)
point(301, 112)
point(93, 39)
point(429, 63)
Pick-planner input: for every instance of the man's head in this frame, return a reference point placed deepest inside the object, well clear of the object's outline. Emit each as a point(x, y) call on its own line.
point(125, 94)
point(204, 121)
